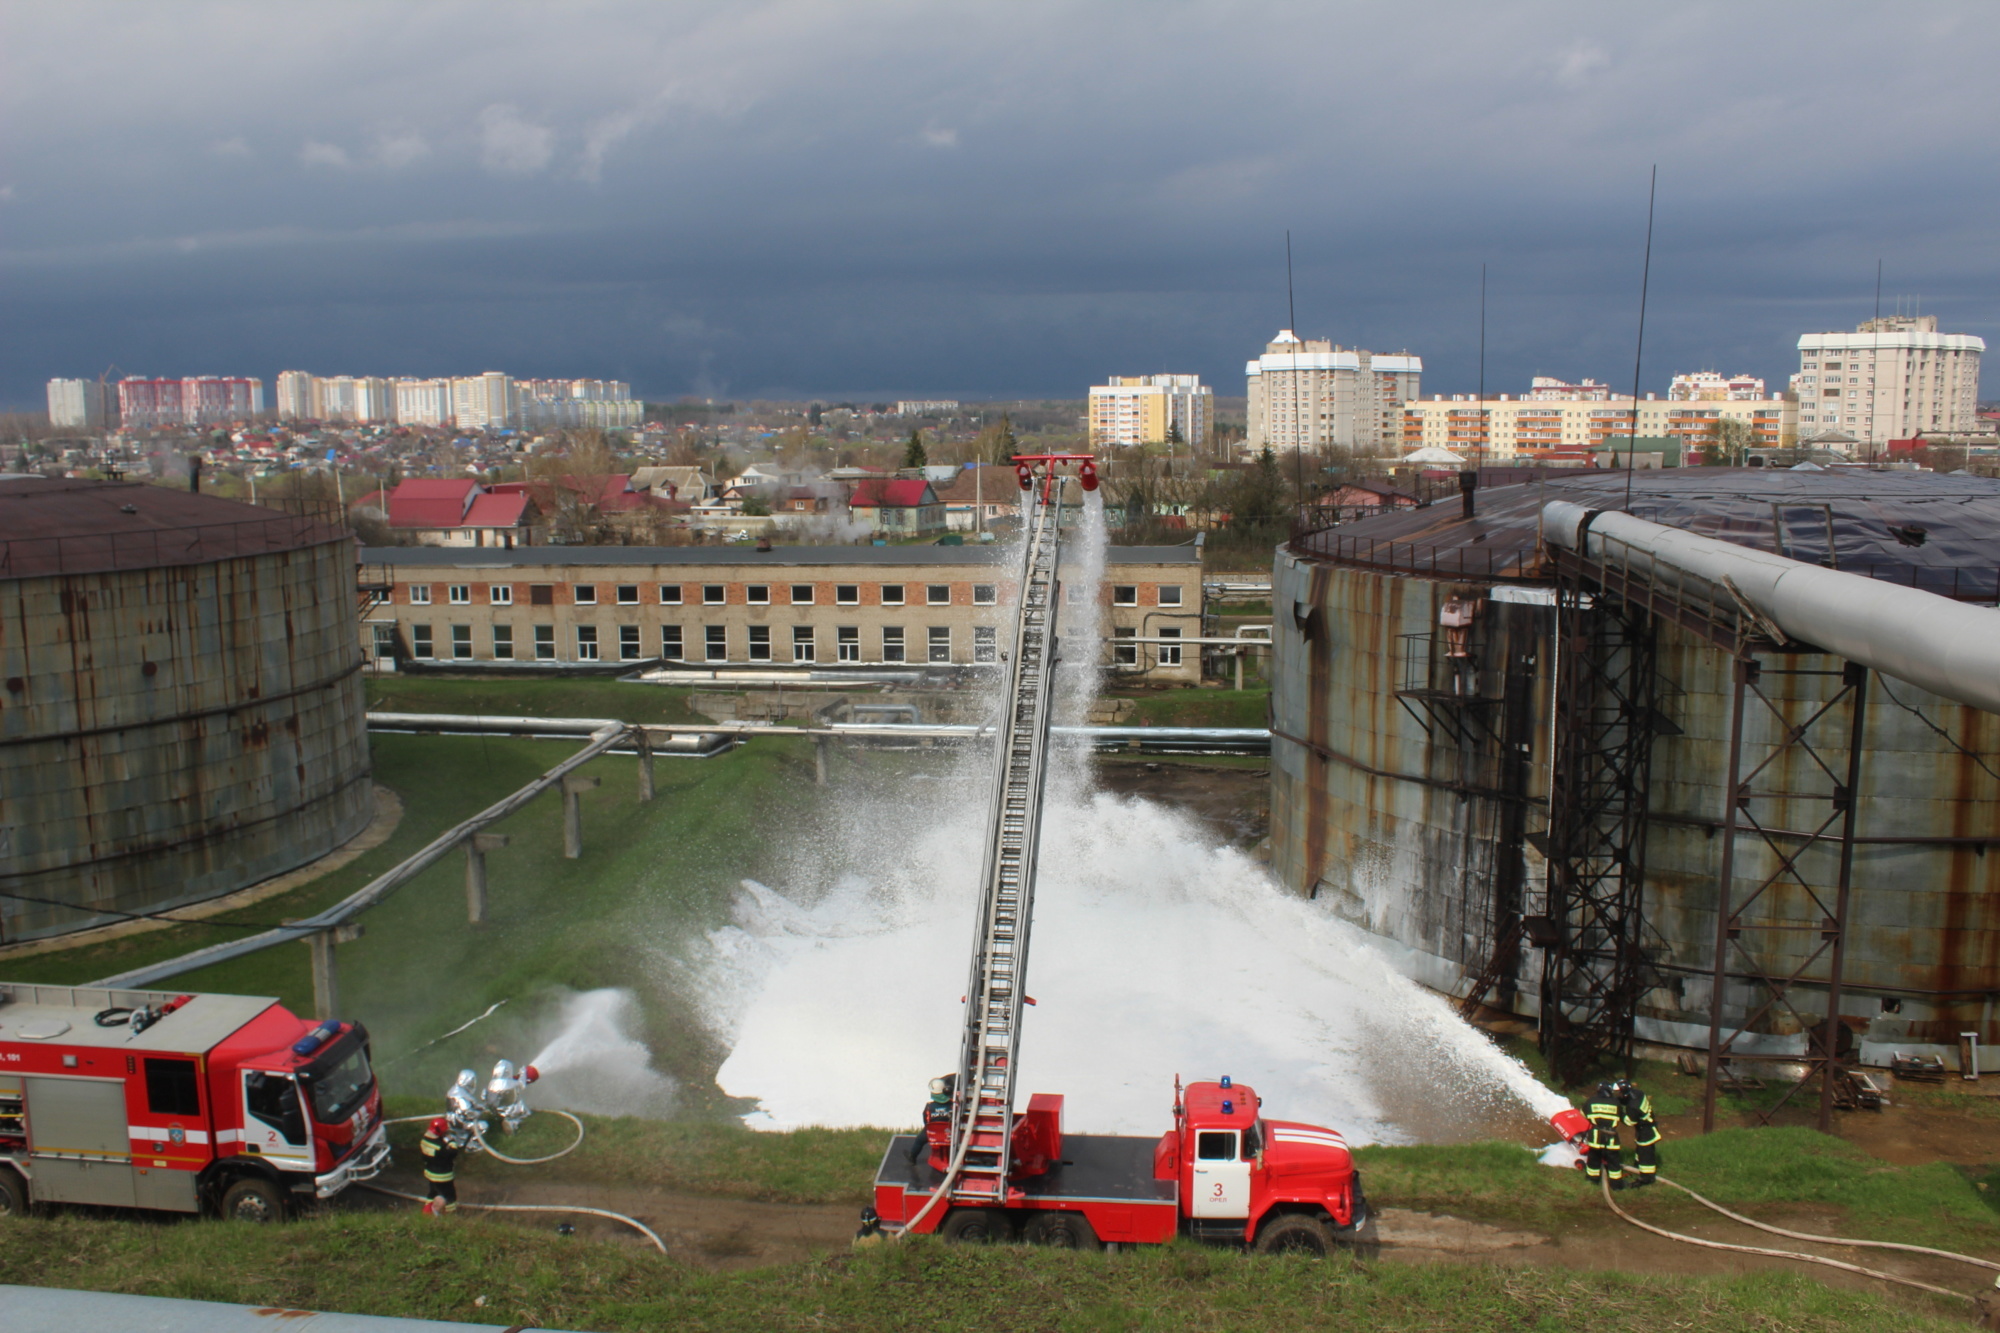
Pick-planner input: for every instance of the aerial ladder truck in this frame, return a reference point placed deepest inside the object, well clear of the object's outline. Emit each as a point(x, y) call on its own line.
point(980, 1171)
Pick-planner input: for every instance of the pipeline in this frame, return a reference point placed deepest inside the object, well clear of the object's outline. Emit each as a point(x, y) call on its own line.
point(632, 1222)
point(1605, 1181)
point(1946, 647)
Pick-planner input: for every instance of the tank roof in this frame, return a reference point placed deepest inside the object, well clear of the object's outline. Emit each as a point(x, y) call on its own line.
point(83, 527)
point(1939, 533)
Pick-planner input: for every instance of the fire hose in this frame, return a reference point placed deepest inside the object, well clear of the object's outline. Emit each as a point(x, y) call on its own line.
point(1605, 1180)
point(634, 1223)
point(488, 1148)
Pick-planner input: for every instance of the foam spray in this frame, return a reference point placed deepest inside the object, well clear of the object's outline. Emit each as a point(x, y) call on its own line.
point(1154, 953)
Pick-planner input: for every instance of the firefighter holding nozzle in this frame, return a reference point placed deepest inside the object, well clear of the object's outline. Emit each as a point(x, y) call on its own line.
point(1615, 1104)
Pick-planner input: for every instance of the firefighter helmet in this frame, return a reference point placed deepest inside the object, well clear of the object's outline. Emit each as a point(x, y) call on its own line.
point(440, 1127)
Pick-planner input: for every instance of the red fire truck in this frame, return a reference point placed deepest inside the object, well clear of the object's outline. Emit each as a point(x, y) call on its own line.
point(1223, 1174)
point(223, 1103)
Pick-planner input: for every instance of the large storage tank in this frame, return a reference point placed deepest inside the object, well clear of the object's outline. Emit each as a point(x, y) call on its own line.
point(181, 709)
point(1411, 790)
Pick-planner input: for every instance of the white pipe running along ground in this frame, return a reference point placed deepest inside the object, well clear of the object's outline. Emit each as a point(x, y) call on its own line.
point(632, 1222)
point(1949, 648)
point(1776, 1254)
point(1832, 1240)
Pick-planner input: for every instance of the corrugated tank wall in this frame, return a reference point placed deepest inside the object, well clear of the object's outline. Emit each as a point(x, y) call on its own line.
point(171, 734)
point(1378, 808)
point(1398, 825)
point(1924, 912)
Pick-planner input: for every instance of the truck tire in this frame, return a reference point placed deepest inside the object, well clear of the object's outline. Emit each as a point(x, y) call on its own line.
point(1295, 1233)
point(253, 1199)
point(1061, 1231)
point(977, 1226)
point(13, 1193)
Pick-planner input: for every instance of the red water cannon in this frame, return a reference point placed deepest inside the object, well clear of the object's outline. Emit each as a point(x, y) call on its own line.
point(1046, 468)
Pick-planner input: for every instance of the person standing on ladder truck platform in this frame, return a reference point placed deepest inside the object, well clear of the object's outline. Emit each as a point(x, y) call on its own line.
point(1637, 1110)
point(440, 1168)
point(1605, 1112)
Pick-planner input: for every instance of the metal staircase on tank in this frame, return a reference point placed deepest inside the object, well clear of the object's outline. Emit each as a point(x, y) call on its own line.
point(983, 1111)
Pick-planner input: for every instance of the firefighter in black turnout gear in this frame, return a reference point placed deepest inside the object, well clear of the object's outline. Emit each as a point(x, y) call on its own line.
point(1636, 1109)
point(1601, 1156)
point(440, 1156)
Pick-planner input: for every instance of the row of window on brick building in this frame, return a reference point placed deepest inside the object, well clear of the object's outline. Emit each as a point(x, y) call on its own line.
point(752, 594)
point(761, 645)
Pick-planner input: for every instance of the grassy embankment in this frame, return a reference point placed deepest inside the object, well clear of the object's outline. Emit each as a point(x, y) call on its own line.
point(400, 1264)
point(650, 876)
point(496, 697)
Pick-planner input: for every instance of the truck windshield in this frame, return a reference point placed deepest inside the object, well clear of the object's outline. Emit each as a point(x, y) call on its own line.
point(339, 1080)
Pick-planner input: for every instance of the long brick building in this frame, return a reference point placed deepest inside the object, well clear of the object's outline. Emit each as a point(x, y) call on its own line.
point(831, 606)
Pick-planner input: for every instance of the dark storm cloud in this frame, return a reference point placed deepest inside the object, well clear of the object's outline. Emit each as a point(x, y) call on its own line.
point(815, 197)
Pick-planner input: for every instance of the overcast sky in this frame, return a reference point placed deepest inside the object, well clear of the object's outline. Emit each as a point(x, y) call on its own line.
point(823, 199)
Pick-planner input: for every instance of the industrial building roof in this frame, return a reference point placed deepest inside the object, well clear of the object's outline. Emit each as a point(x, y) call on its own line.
point(1937, 532)
point(499, 558)
point(81, 527)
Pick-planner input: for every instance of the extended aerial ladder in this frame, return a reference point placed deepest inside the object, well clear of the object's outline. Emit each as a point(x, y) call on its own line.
point(983, 1100)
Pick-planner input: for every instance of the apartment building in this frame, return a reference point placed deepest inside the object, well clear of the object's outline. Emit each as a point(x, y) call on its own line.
point(1888, 380)
point(1548, 389)
point(579, 607)
point(1143, 409)
point(194, 400)
point(76, 404)
point(1705, 386)
point(1508, 427)
point(295, 395)
point(1311, 394)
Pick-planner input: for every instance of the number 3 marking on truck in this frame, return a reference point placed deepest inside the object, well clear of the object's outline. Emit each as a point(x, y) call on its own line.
point(1218, 1190)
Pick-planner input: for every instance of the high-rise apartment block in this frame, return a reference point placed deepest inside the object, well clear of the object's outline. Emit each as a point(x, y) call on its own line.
point(1310, 394)
point(76, 404)
point(295, 396)
point(1705, 386)
point(196, 400)
point(1891, 379)
point(1145, 409)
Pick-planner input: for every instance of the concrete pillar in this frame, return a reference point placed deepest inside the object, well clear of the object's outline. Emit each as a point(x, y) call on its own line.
point(1239, 669)
point(476, 848)
point(645, 763)
point(325, 970)
point(820, 744)
point(573, 787)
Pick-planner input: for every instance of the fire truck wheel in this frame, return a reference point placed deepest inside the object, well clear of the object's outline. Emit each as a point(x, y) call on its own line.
point(1294, 1233)
point(1061, 1231)
point(977, 1226)
point(253, 1200)
point(13, 1194)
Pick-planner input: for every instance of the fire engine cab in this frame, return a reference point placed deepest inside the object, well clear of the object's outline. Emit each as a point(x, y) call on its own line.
point(185, 1103)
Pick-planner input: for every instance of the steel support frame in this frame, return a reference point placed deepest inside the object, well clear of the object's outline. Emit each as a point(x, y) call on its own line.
point(1733, 919)
point(1594, 968)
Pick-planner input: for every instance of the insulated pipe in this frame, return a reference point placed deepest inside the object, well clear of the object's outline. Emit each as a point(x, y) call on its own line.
point(1946, 647)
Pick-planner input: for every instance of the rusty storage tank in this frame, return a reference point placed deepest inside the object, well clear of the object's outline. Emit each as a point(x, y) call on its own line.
point(1411, 787)
point(181, 709)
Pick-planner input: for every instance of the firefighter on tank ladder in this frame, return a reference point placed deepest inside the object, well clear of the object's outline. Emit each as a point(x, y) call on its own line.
point(440, 1162)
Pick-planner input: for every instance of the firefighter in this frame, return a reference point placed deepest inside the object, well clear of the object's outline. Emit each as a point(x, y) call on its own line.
point(1637, 1111)
point(1601, 1155)
point(440, 1162)
point(935, 1136)
point(871, 1229)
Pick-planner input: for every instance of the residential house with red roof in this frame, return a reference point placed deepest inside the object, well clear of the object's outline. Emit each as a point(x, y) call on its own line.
point(897, 507)
point(455, 512)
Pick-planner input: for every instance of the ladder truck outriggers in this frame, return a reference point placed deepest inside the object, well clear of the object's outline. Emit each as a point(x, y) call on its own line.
point(981, 1171)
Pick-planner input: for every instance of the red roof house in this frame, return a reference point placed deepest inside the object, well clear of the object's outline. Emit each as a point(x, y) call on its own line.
point(897, 506)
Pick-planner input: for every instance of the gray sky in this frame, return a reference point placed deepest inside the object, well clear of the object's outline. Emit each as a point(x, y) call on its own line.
point(810, 198)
